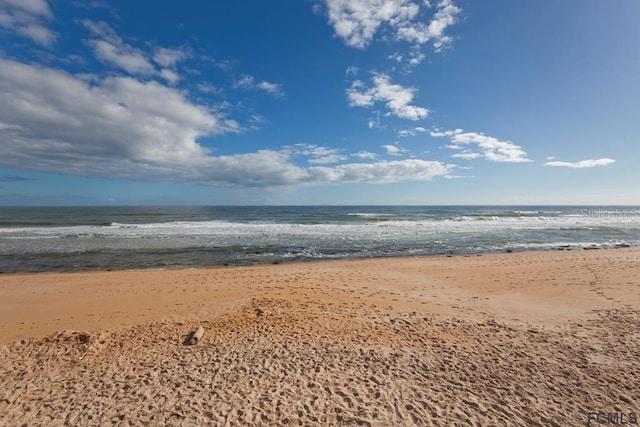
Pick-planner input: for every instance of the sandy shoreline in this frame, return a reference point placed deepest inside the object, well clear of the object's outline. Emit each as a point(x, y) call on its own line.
point(539, 338)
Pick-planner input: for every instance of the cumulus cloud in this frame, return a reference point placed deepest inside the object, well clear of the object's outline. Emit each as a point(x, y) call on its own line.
point(473, 145)
point(421, 33)
point(357, 22)
point(397, 99)
point(28, 18)
point(249, 82)
point(120, 127)
point(59, 117)
point(393, 150)
point(592, 163)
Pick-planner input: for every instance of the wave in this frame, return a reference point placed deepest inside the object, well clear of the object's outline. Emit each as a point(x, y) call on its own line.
point(367, 215)
point(133, 237)
point(389, 223)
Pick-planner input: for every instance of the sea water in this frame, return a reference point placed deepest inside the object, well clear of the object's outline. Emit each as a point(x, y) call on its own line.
point(84, 238)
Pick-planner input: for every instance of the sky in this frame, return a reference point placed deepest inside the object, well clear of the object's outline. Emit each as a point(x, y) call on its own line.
point(319, 102)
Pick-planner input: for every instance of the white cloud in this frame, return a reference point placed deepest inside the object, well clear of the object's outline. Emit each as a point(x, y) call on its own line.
point(96, 4)
point(263, 168)
point(208, 88)
point(256, 121)
point(365, 155)
point(396, 57)
point(222, 64)
point(489, 147)
point(245, 82)
point(271, 88)
point(411, 132)
point(381, 172)
point(249, 82)
point(316, 154)
point(420, 33)
point(581, 164)
point(32, 7)
point(397, 99)
point(352, 71)
point(170, 57)
point(272, 168)
point(109, 48)
point(360, 99)
point(393, 150)
point(126, 57)
point(26, 18)
point(120, 127)
point(357, 22)
point(62, 120)
point(409, 59)
point(466, 155)
point(170, 76)
point(416, 57)
point(102, 30)
point(37, 33)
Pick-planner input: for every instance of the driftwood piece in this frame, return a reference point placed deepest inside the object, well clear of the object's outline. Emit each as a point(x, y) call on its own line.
point(196, 335)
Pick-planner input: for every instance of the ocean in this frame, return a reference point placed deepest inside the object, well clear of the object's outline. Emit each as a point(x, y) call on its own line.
point(39, 239)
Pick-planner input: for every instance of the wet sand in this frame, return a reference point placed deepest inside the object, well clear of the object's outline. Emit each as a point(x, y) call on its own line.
point(512, 339)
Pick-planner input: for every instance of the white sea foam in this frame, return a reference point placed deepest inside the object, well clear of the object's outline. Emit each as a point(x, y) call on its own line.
point(458, 224)
point(246, 235)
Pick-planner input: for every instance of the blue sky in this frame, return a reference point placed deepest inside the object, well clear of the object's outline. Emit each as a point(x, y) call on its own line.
point(319, 102)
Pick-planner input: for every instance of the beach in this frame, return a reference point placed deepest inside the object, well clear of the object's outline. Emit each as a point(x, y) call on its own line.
point(537, 338)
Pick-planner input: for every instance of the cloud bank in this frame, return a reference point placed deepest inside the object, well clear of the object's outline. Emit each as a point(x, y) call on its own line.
point(109, 48)
point(28, 18)
point(582, 164)
point(120, 127)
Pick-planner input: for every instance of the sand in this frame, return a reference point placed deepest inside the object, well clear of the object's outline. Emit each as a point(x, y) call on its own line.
point(540, 339)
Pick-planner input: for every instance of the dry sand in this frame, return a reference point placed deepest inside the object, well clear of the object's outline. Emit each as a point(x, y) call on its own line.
point(513, 339)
